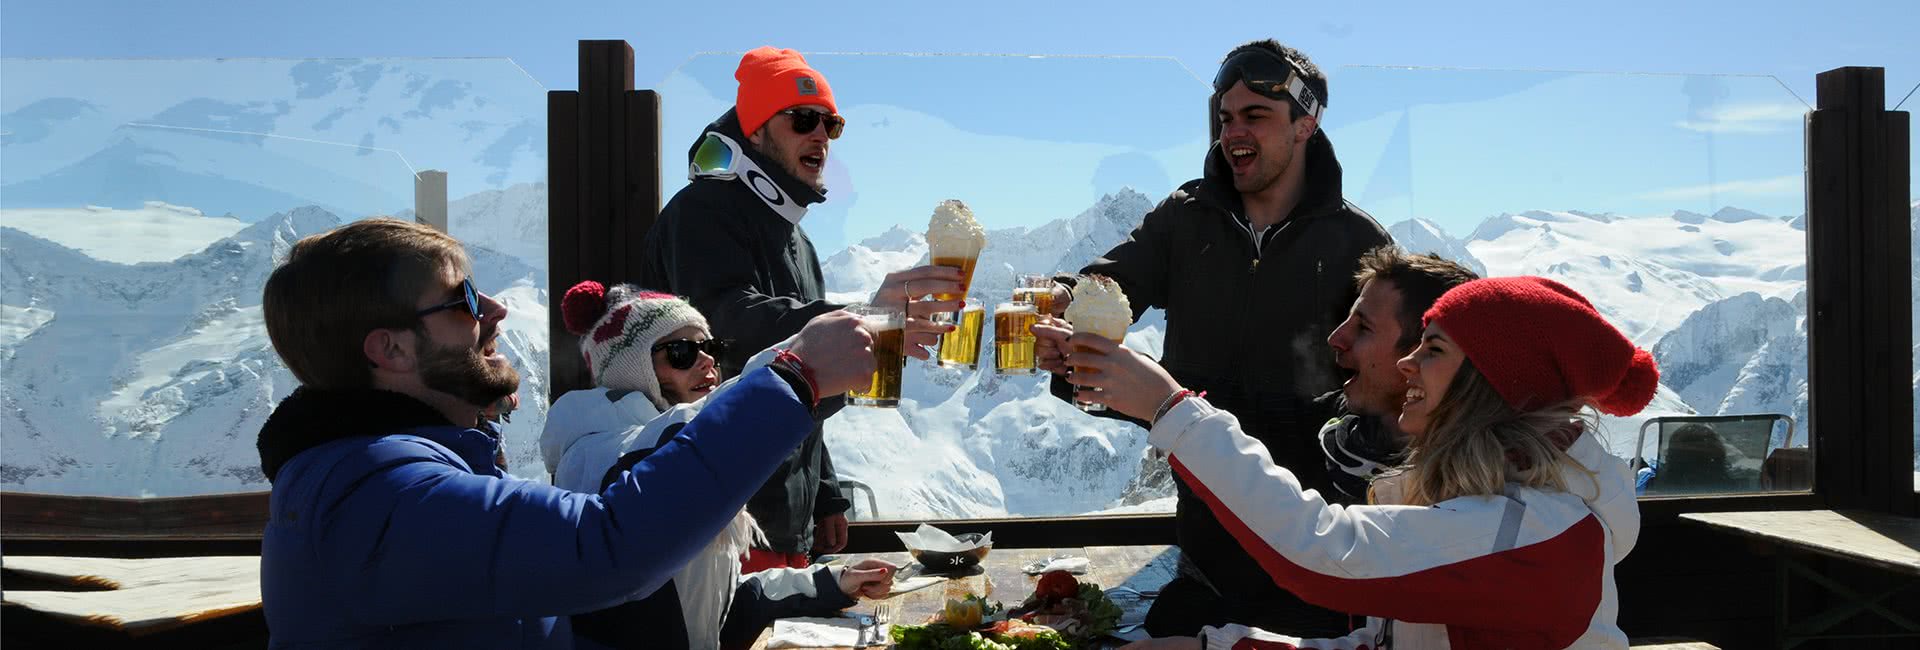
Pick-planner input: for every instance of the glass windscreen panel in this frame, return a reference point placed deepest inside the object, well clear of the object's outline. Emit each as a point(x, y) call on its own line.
point(144, 202)
point(1907, 103)
point(1674, 202)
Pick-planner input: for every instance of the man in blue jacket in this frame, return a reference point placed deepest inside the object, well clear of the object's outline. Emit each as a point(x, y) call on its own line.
point(392, 527)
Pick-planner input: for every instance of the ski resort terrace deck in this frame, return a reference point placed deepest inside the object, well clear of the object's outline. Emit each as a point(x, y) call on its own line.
point(1821, 299)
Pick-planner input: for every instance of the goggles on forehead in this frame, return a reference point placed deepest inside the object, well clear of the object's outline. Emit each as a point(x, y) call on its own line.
point(1269, 75)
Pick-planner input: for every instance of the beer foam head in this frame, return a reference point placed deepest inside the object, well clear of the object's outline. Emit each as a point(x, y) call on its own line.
point(1100, 307)
point(1011, 307)
point(953, 231)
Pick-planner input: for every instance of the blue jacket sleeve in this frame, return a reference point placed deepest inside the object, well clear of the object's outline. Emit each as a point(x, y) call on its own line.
point(417, 537)
point(780, 593)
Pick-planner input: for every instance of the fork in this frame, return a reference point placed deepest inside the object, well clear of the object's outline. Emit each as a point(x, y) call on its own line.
point(882, 615)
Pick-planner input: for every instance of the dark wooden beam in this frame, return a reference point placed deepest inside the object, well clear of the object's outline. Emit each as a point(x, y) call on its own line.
point(1860, 360)
point(563, 239)
point(603, 162)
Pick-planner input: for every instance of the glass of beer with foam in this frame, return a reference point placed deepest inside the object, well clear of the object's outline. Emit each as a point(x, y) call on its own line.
point(889, 330)
point(1013, 338)
point(955, 239)
point(1036, 289)
point(1099, 308)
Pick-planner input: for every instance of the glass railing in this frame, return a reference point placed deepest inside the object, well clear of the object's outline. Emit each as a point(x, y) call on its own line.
point(144, 202)
point(1674, 202)
point(1906, 102)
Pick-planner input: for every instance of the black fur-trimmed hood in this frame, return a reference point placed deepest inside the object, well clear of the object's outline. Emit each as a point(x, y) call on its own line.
point(311, 417)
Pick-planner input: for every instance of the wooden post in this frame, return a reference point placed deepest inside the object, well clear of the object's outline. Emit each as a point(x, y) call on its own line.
point(430, 198)
point(603, 171)
point(1860, 359)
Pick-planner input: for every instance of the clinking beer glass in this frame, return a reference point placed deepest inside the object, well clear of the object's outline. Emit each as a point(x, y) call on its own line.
point(960, 348)
point(1013, 340)
point(889, 330)
point(954, 239)
point(1099, 308)
point(1036, 289)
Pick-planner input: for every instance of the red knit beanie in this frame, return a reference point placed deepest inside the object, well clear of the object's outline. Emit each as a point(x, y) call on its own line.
point(1540, 343)
point(774, 80)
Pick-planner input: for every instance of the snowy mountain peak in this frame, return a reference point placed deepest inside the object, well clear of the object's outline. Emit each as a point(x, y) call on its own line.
point(1422, 236)
point(895, 239)
point(1736, 215)
point(1688, 216)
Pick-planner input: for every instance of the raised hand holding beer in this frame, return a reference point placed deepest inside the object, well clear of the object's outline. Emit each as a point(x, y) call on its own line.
point(1050, 351)
point(1112, 374)
point(835, 348)
point(1099, 309)
point(899, 291)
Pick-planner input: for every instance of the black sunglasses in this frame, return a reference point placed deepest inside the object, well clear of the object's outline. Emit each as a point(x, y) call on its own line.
point(469, 298)
point(805, 120)
point(683, 353)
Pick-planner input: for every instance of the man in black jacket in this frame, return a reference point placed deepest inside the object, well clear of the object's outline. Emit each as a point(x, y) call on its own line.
point(731, 243)
point(1254, 265)
point(1361, 435)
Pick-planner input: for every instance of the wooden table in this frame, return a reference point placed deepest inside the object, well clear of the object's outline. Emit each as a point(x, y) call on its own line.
point(139, 596)
point(1144, 568)
point(1887, 542)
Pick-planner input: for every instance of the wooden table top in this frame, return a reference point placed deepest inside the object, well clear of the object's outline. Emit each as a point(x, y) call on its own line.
point(141, 596)
point(1887, 541)
point(1002, 579)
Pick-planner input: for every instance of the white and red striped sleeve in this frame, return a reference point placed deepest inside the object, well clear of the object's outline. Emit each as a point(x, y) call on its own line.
point(1520, 570)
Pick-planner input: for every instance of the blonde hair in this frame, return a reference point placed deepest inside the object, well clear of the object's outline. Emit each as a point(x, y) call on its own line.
point(1476, 444)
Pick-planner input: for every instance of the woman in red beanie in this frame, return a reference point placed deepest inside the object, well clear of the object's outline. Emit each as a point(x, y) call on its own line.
point(1503, 527)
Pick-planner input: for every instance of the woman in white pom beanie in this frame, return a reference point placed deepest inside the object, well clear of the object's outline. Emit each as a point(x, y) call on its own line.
point(648, 352)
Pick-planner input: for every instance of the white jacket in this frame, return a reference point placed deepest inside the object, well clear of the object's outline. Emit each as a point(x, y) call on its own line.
point(1526, 569)
point(589, 430)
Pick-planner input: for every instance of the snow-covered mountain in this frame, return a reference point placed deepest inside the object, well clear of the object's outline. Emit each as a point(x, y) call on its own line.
point(1745, 354)
point(981, 444)
point(1648, 274)
point(153, 378)
point(1423, 236)
point(252, 137)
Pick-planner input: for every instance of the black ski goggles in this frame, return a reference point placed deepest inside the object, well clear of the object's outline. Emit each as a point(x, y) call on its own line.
point(683, 353)
point(469, 299)
point(1271, 76)
point(805, 120)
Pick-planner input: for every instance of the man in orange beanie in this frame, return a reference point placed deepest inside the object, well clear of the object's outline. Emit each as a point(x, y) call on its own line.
point(731, 243)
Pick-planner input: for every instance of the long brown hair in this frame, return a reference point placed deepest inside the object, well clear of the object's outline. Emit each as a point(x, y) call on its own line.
point(1475, 444)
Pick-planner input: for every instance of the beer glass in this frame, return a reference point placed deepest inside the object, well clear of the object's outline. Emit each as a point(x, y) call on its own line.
point(1036, 289)
point(960, 348)
point(1013, 338)
point(1090, 407)
point(889, 330)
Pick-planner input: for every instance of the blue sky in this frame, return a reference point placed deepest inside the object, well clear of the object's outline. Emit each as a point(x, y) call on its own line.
point(1414, 142)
